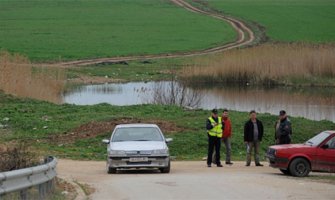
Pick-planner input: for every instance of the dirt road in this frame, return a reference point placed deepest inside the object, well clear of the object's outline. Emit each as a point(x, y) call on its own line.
point(245, 36)
point(193, 180)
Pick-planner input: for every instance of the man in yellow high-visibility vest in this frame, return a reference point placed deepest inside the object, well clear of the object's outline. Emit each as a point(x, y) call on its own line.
point(215, 127)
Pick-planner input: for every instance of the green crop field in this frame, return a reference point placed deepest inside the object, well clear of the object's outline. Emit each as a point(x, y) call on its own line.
point(73, 29)
point(286, 20)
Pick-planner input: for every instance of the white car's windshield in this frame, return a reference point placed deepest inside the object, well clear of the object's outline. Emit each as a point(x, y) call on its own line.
point(137, 134)
point(316, 140)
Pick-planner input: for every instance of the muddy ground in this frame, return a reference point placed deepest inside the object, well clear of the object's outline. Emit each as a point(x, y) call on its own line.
point(94, 129)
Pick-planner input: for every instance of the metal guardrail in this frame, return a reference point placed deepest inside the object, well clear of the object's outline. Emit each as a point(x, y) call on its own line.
point(23, 179)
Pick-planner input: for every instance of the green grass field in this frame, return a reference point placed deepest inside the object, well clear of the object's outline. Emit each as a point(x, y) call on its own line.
point(286, 20)
point(74, 29)
point(28, 117)
point(153, 70)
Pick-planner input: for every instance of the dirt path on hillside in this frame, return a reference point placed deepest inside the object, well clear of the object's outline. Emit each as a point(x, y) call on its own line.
point(245, 37)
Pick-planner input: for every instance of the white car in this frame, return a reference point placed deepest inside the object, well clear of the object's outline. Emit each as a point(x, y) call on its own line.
point(137, 146)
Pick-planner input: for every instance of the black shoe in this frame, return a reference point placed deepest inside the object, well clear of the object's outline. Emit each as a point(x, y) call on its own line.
point(259, 165)
point(209, 165)
point(229, 163)
point(219, 165)
point(247, 165)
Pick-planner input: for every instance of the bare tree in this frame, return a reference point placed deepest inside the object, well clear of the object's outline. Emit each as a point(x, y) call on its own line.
point(175, 93)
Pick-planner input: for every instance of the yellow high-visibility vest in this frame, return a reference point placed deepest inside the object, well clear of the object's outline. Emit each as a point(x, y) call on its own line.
point(216, 130)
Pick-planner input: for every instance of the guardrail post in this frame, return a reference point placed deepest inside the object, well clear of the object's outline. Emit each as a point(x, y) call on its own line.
point(41, 191)
point(24, 194)
point(50, 185)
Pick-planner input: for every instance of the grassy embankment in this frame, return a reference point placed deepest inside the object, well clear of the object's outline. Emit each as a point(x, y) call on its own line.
point(52, 30)
point(76, 131)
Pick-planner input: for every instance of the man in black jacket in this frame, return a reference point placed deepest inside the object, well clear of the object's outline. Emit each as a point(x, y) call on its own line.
point(253, 134)
point(283, 129)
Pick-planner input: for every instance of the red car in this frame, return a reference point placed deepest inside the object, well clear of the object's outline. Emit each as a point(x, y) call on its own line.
point(317, 154)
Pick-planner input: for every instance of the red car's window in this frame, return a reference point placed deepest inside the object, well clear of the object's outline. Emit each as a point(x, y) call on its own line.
point(316, 140)
point(331, 143)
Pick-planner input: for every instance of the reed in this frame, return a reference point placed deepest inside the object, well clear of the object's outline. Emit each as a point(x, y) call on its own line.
point(268, 64)
point(20, 78)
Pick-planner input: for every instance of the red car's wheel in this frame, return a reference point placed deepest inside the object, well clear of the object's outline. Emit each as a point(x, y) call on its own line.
point(285, 171)
point(300, 167)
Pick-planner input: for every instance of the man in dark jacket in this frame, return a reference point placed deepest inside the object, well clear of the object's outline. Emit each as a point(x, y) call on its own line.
point(214, 126)
point(253, 134)
point(283, 129)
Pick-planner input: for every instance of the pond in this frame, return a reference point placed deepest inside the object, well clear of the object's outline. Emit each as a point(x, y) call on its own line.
point(311, 103)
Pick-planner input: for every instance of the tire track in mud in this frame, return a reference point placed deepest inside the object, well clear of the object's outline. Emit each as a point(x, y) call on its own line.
point(245, 36)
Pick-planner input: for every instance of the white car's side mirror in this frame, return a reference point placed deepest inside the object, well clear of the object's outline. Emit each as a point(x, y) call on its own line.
point(105, 141)
point(168, 140)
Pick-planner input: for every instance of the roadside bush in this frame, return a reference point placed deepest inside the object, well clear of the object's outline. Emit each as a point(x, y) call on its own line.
point(16, 157)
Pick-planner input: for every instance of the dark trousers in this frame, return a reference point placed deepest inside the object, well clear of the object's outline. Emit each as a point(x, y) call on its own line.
point(253, 146)
point(213, 142)
point(285, 139)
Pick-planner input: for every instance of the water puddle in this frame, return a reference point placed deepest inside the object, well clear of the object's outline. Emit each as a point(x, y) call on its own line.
point(313, 103)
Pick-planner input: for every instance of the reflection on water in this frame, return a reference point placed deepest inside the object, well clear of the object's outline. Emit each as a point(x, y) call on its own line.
point(311, 106)
point(112, 93)
point(316, 104)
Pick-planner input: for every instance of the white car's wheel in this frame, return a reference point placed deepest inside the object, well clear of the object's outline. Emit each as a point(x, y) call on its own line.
point(111, 170)
point(166, 169)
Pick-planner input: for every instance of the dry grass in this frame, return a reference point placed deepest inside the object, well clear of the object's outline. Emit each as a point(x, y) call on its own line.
point(268, 64)
point(17, 156)
point(18, 77)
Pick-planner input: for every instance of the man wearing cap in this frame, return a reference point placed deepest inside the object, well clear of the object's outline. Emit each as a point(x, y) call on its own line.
point(283, 129)
point(215, 127)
